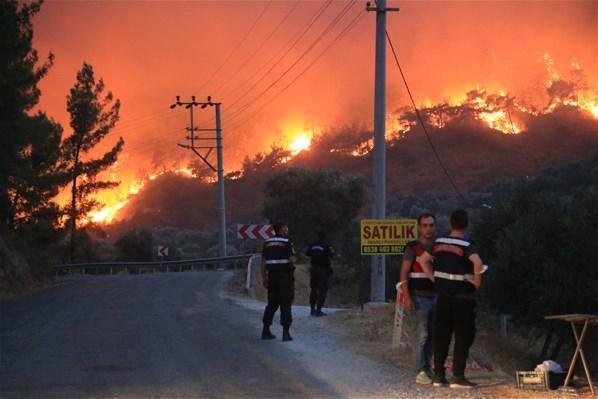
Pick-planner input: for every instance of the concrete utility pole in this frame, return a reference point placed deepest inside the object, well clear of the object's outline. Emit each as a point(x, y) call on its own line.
point(208, 147)
point(378, 283)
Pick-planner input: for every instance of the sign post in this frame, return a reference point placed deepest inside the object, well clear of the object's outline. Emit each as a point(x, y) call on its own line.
point(397, 329)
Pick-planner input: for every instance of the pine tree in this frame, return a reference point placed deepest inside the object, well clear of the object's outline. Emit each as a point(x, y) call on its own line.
point(29, 144)
point(93, 115)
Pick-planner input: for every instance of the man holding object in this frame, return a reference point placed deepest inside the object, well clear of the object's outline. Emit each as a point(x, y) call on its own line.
point(420, 298)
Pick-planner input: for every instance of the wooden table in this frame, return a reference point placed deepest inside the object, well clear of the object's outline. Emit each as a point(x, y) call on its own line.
point(573, 319)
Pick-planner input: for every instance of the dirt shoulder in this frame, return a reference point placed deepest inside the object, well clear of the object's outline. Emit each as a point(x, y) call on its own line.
point(368, 332)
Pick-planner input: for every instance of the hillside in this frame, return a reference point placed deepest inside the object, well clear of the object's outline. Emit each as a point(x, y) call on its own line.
point(474, 154)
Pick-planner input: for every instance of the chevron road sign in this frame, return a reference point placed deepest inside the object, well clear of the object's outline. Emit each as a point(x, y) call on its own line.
point(162, 251)
point(254, 231)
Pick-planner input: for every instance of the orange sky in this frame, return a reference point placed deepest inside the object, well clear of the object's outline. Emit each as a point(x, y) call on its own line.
point(148, 52)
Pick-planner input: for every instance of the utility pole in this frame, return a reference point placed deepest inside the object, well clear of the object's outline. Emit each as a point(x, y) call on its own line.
point(208, 144)
point(378, 281)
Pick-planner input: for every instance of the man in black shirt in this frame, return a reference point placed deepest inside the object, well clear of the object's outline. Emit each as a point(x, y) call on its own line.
point(457, 276)
point(320, 253)
point(278, 257)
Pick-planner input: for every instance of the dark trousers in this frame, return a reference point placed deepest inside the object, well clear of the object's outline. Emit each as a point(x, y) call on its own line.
point(281, 292)
point(453, 316)
point(319, 286)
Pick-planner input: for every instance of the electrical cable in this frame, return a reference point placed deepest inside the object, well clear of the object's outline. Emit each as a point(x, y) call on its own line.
point(423, 125)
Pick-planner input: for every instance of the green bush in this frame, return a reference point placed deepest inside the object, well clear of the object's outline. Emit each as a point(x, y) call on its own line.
point(310, 200)
point(135, 245)
point(541, 245)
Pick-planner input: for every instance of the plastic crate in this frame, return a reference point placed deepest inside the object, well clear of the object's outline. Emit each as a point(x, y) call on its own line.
point(539, 380)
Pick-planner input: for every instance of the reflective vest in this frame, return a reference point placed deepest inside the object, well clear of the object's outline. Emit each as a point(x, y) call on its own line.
point(452, 267)
point(320, 254)
point(417, 278)
point(276, 253)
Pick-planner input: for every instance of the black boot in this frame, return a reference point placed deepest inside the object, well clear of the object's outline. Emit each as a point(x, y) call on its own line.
point(313, 310)
point(286, 335)
point(266, 334)
point(319, 312)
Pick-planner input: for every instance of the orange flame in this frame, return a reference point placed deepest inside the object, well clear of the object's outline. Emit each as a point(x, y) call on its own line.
point(300, 143)
point(497, 110)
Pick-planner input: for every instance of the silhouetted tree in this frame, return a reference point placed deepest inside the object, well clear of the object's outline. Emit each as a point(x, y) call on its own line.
point(135, 245)
point(264, 163)
point(29, 144)
point(93, 115)
point(313, 199)
point(541, 247)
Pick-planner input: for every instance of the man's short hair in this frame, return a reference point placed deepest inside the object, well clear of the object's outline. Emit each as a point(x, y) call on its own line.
point(459, 219)
point(425, 215)
point(278, 226)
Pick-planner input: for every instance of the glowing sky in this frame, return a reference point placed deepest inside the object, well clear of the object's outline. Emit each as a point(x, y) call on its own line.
point(149, 52)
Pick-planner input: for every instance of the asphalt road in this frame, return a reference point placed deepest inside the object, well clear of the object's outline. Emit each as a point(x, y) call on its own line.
point(181, 335)
point(167, 335)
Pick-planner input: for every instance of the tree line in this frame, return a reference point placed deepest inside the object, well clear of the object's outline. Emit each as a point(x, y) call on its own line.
point(39, 159)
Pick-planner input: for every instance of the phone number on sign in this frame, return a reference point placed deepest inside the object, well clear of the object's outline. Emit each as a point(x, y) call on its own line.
point(382, 249)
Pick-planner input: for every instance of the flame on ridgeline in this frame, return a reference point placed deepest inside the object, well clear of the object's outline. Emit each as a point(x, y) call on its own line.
point(113, 201)
point(300, 143)
point(497, 109)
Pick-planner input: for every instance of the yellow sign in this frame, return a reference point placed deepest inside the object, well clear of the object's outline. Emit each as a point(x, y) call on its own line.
point(386, 237)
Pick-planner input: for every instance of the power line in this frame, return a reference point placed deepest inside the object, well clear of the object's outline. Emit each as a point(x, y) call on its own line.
point(257, 50)
point(347, 28)
point(330, 26)
point(243, 39)
point(138, 123)
point(149, 147)
point(303, 33)
point(168, 115)
point(421, 121)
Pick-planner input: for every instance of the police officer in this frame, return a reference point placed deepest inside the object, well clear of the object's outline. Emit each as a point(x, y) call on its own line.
point(420, 298)
point(320, 253)
point(278, 257)
point(457, 275)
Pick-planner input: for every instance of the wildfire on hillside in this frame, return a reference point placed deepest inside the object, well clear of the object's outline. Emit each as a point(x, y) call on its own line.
point(497, 109)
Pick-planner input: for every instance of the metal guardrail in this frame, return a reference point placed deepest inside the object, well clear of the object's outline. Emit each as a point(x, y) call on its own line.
point(152, 267)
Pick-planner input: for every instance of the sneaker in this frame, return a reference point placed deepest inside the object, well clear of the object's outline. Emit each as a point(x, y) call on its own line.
point(461, 383)
point(430, 373)
point(440, 381)
point(423, 378)
point(320, 313)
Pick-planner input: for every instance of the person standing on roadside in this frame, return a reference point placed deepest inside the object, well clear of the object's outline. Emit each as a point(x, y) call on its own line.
point(420, 298)
point(457, 276)
point(278, 257)
point(320, 254)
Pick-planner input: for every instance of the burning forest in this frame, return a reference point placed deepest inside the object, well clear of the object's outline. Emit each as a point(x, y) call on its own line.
point(567, 110)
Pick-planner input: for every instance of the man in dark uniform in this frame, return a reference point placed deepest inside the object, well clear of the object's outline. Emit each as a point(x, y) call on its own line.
point(420, 298)
point(278, 257)
point(320, 254)
point(457, 275)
